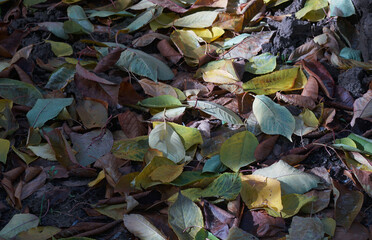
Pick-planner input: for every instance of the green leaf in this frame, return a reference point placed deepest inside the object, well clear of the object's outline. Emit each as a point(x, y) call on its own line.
point(204, 234)
point(19, 92)
point(200, 19)
point(238, 150)
point(132, 149)
point(8, 123)
point(291, 179)
point(142, 228)
point(235, 40)
point(60, 49)
point(143, 19)
point(61, 77)
point(4, 149)
point(217, 111)
point(261, 64)
point(185, 218)
point(350, 53)
point(273, 118)
point(189, 177)
point(28, 3)
point(72, 27)
point(167, 141)
point(77, 14)
point(91, 145)
point(341, 8)
point(44, 151)
point(102, 14)
point(214, 165)
point(292, 204)
point(163, 101)
point(362, 143)
point(189, 136)
point(46, 109)
point(236, 233)
point(313, 10)
point(19, 223)
point(56, 28)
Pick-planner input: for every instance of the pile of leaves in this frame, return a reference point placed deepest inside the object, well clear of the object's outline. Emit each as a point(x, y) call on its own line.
point(184, 119)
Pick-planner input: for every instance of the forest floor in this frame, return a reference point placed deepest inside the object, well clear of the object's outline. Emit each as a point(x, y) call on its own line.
point(242, 121)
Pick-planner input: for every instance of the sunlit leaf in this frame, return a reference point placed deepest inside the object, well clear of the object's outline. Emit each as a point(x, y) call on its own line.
point(313, 10)
point(341, 8)
point(261, 64)
point(200, 19)
point(292, 204)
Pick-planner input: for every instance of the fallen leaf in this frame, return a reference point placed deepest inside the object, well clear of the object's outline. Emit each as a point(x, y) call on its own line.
point(362, 107)
point(142, 228)
point(306, 228)
point(19, 223)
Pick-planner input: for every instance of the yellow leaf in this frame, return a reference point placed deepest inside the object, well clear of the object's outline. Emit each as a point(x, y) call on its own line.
point(166, 173)
point(60, 49)
point(300, 81)
point(219, 76)
point(309, 118)
point(258, 191)
point(273, 82)
point(100, 177)
point(208, 34)
point(38, 233)
point(313, 10)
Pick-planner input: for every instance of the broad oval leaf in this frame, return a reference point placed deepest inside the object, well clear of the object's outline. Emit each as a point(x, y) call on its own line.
point(46, 109)
point(61, 77)
point(273, 118)
point(291, 179)
point(217, 111)
point(142, 228)
point(341, 8)
point(167, 141)
point(19, 223)
point(292, 204)
point(132, 149)
point(54, 27)
point(238, 150)
point(19, 92)
point(60, 49)
point(261, 64)
point(77, 14)
point(185, 218)
point(313, 10)
point(4, 149)
point(200, 19)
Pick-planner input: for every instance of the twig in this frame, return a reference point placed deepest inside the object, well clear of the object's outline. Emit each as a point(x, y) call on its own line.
point(99, 230)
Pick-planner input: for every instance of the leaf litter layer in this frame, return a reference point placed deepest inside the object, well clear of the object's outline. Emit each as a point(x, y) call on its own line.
point(185, 119)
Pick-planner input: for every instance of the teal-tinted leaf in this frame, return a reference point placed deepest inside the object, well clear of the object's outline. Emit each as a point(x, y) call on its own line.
point(102, 14)
point(28, 3)
point(291, 179)
point(61, 77)
point(163, 101)
point(55, 27)
point(46, 109)
point(235, 40)
point(204, 234)
point(261, 64)
point(273, 118)
point(73, 27)
point(77, 14)
point(214, 165)
point(185, 218)
point(200, 19)
point(350, 53)
point(217, 111)
point(239, 234)
point(341, 8)
point(19, 92)
point(188, 177)
point(92, 145)
point(306, 228)
point(143, 19)
point(226, 186)
point(4, 149)
point(238, 150)
point(19, 223)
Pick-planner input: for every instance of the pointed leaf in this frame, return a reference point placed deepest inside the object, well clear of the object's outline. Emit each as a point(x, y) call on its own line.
point(77, 14)
point(60, 49)
point(341, 8)
point(200, 19)
point(238, 150)
point(292, 204)
point(261, 64)
point(273, 118)
point(132, 149)
point(19, 92)
point(19, 223)
point(142, 228)
point(4, 149)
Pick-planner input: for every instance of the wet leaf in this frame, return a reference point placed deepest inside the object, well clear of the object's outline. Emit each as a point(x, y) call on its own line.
point(142, 228)
point(185, 218)
point(19, 223)
point(259, 192)
point(273, 118)
point(261, 64)
point(291, 179)
point(4, 149)
point(238, 150)
point(167, 141)
point(19, 92)
point(217, 111)
point(46, 109)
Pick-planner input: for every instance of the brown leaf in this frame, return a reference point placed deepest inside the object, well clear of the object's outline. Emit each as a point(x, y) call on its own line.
point(34, 185)
point(344, 97)
point(92, 113)
point(155, 89)
point(267, 226)
point(127, 94)
point(91, 76)
point(245, 102)
point(362, 107)
point(305, 51)
point(168, 51)
point(229, 21)
point(147, 39)
point(109, 60)
point(321, 74)
point(265, 147)
point(356, 232)
point(250, 9)
point(297, 100)
point(9, 45)
point(131, 124)
point(210, 3)
point(170, 5)
point(111, 165)
point(311, 89)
